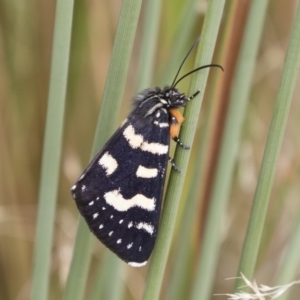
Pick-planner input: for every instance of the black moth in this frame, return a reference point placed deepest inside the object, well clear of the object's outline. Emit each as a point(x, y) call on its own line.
point(120, 192)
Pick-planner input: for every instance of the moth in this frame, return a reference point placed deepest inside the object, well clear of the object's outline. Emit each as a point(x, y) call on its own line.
point(120, 192)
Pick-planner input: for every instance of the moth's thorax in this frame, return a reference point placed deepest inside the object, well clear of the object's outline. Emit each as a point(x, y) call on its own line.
point(149, 101)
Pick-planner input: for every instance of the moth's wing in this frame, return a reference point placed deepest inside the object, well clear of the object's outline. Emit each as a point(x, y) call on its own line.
point(120, 193)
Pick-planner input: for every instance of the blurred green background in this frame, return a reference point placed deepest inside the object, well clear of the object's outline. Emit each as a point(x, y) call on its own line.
point(26, 33)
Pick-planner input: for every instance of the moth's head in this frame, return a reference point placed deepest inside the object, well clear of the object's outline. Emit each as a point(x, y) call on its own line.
point(149, 101)
point(172, 98)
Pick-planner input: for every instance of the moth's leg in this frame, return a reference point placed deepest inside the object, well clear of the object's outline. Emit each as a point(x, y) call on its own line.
point(178, 141)
point(174, 165)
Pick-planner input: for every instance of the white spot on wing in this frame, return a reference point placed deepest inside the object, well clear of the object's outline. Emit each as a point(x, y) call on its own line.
point(95, 215)
point(135, 264)
point(108, 163)
point(101, 226)
point(161, 125)
point(144, 172)
point(145, 226)
point(111, 216)
point(134, 140)
point(155, 148)
point(110, 233)
point(82, 176)
point(116, 200)
point(91, 203)
point(140, 249)
point(129, 245)
point(73, 188)
point(121, 221)
point(119, 241)
point(130, 224)
point(83, 188)
point(137, 141)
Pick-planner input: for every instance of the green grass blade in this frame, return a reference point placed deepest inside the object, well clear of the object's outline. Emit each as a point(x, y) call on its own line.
point(183, 263)
point(102, 287)
point(272, 150)
point(180, 40)
point(148, 45)
point(80, 263)
point(290, 264)
point(52, 149)
point(107, 121)
point(221, 187)
point(204, 56)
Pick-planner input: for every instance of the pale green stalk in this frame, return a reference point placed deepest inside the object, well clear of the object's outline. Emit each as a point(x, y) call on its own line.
point(272, 150)
point(183, 263)
point(205, 273)
point(181, 38)
point(103, 287)
point(107, 122)
point(290, 263)
point(204, 56)
point(148, 46)
point(52, 149)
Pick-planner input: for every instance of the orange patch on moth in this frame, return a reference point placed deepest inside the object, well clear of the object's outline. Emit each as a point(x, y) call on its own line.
point(175, 113)
point(174, 128)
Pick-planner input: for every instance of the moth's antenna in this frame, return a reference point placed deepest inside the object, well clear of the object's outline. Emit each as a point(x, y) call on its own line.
point(196, 70)
point(194, 44)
